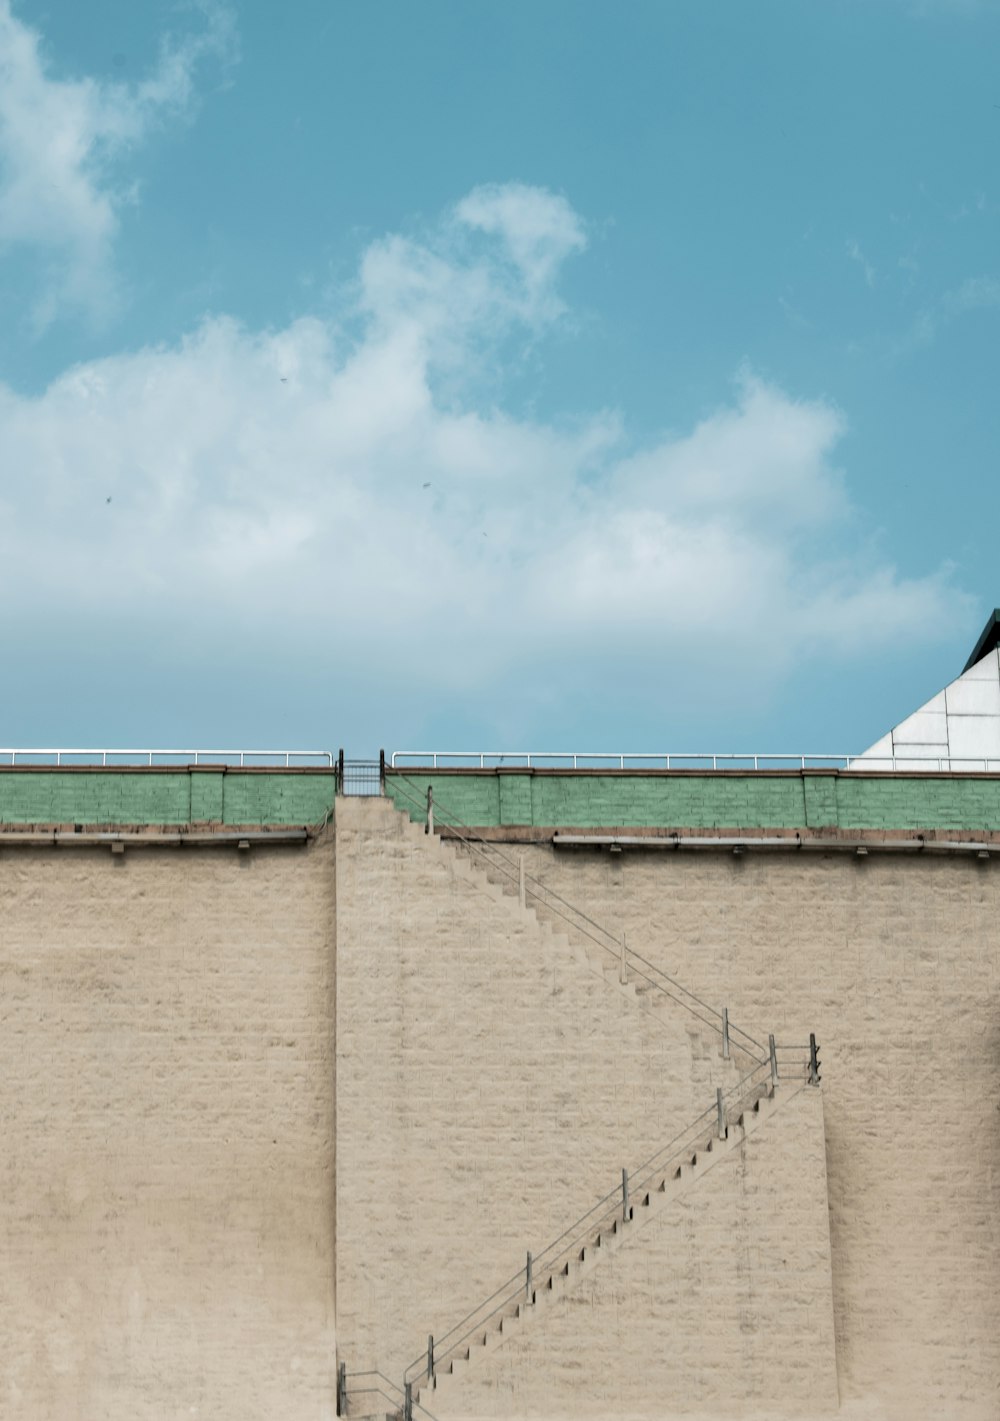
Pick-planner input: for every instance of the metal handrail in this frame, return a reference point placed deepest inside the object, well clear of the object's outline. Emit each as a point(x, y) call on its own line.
point(547, 1261)
point(395, 1396)
point(168, 758)
point(519, 1285)
point(554, 759)
point(580, 921)
point(678, 760)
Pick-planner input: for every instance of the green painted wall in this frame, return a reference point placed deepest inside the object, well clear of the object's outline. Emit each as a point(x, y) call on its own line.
point(696, 800)
point(40, 795)
point(673, 800)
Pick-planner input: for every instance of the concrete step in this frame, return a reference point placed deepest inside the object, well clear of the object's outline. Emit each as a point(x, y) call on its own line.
point(499, 885)
point(551, 1287)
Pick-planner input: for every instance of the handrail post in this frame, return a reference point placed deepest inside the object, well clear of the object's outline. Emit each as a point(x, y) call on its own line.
point(527, 1280)
point(774, 1058)
point(430, 1359)
point(721, 1111)
point(813, 1060)
point(625, 1208)
point(430, 810)
point(407, 1401)
point(381, 772)
point(342, 1389)
point(725, 1033)
point(340, 772)
point(623, 963)
point(520, 879)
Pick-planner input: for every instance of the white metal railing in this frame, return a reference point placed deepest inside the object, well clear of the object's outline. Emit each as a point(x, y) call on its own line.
point(595, 759)
point(599, 760)
point(494, 759)
point(259, 759)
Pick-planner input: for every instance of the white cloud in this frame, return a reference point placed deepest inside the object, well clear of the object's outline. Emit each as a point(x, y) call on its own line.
point(539, 231)
point(766, 457)
point(275, 483)
point(63, 143)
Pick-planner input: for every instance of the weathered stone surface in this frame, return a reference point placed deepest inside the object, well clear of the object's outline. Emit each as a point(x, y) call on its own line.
point(171, 1090)
point(490, 1086)
point(895, 964)
point(166, 1097)
point(719, 1302)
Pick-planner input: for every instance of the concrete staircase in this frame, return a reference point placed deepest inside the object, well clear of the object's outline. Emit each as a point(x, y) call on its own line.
point(588, 1252)
point(494, 879)
point(703, 1147)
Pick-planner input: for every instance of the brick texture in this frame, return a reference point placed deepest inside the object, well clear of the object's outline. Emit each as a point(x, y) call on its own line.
point(166, 1092)
point(719, 1303)
point(178, 1057)
point(42, 795)
point(490, 1086)
point(703, 800)
point(895, 964)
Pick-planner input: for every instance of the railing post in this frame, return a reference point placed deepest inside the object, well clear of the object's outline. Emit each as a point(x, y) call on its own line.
point(430, 1359)
point(527, 1280)
point(725, 1033)
point(430, 810)
point(381, 772)
point(407, 1401)
point(520, 879)
point(774, 1059)
point(625, 1208)
point(342, 1389)
point(722, 1113)
point(340, 772)
point(813, 1059)
point(623, 963)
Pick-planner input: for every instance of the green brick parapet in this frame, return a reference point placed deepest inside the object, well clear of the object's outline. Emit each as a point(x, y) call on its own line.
point(119, 796)
point(535, 799)
point(738, 800)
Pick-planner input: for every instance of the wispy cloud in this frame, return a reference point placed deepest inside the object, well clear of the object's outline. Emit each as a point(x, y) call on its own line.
point(975, 293)
point(857, 255)
point(252, 482)
point(66, 146)
point(793, 315)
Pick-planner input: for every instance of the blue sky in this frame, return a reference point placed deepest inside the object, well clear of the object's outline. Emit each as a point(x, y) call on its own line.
point(561, 375)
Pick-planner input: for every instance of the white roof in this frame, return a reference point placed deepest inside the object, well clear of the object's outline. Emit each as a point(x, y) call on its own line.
point(959, 728)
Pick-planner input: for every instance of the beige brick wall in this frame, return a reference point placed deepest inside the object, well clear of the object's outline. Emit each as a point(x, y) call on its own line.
point(166, 1097)
point(895, 963)
point(490, 1087)
point(720, 1303)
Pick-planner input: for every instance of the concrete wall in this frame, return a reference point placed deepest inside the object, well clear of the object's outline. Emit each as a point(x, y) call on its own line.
point(719, 1303)
point(166, 1171)
point(490, 1086)
point(895, 964)
point(167, 1073)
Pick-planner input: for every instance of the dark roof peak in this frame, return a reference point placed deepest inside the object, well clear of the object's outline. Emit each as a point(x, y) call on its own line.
point(989, 639)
